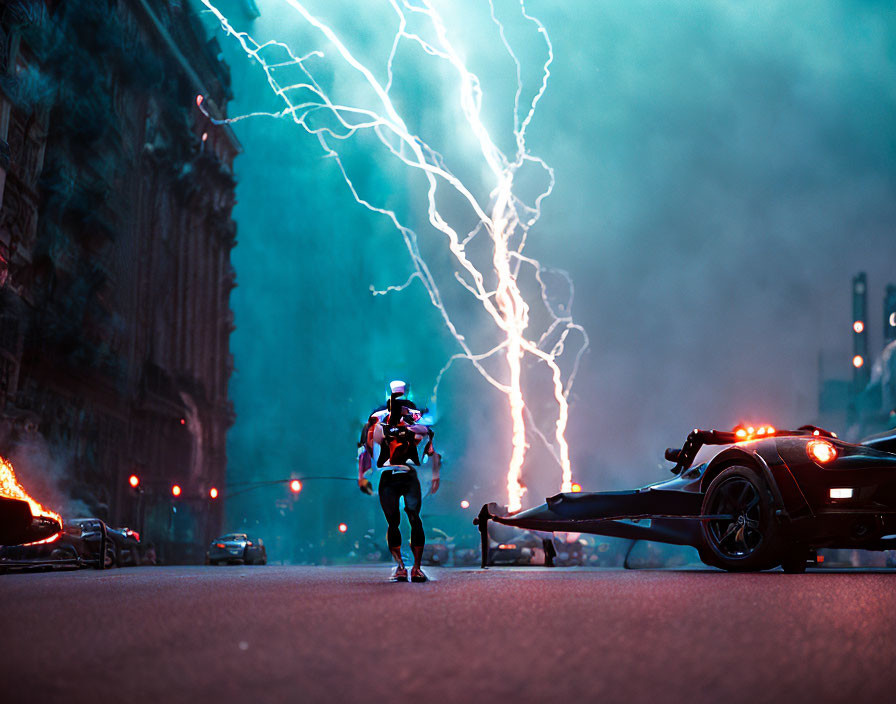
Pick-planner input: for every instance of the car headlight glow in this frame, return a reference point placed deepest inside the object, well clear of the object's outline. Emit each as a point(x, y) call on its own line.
point(821, 451)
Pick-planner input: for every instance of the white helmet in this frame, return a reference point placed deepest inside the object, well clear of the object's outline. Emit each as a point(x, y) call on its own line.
point(398, 387)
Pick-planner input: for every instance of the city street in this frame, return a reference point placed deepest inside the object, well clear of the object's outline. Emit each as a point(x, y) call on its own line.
point(318, 634)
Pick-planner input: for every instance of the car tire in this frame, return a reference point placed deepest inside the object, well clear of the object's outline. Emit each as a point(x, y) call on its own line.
point(747, 539)
point(111, 558)
point(246, 559)
point(214, 563)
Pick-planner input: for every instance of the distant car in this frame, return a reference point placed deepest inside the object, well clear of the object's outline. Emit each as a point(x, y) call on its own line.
point(128, 550)
point(436, 553)
point(84, 536)
point(237, 547)
point(511, 546)
point(438, 550)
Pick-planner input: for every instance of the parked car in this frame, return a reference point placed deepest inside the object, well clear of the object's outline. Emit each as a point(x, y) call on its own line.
point(237, 547)
point(438, 549)
point(77, 545)
point(128, 550)
point(84, 536)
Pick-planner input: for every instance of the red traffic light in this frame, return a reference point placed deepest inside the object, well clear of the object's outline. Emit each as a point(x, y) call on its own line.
point(213, 493)
point(134, 481)
point(295, 486)
point(175, 490)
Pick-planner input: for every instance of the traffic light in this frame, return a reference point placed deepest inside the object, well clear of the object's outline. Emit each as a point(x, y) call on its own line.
point(890, 314)
point(860, 370)
point(134, 481)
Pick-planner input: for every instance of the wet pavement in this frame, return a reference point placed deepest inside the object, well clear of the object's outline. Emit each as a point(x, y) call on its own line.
point(308, 634)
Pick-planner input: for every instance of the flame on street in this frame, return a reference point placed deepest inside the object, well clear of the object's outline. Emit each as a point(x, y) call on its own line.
point(11, 489)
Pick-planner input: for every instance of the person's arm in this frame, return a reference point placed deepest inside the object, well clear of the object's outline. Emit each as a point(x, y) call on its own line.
point(364, 463)
point(436, 460)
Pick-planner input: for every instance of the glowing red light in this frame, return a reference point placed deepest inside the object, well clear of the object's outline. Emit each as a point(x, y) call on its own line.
point(821, 451)
point(576, 488)
point(741, 433)
point(343, 527)
point(51, 539)
point(183, 421)
point(213, 493)
point(199, 100)
point(858, 361)
point(134, 480)
point(858, 326)
point(295, 486)
point(175, 490)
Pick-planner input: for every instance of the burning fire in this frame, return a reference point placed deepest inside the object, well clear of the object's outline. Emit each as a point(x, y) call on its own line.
point(10, 488)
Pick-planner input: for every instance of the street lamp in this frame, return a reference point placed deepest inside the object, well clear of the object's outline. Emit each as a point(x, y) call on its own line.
point(134, 481)
point(295, 486)
point(213, 493)
point(176, 490)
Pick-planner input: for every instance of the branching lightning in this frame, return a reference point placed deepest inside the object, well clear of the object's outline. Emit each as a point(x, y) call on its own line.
point(503, 216)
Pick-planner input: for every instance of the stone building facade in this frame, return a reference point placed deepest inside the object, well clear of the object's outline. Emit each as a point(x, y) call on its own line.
point(115, 274)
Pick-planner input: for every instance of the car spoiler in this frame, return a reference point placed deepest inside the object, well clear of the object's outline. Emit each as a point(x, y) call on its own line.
point(696, 439)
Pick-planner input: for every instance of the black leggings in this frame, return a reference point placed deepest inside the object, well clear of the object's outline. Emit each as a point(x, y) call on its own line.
point(394, 485)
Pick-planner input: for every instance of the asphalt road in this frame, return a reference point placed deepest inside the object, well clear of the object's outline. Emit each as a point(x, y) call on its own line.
point(305, 634)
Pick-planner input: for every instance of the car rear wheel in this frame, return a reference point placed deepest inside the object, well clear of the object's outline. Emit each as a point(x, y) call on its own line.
point(110, 558)
point(741, 536)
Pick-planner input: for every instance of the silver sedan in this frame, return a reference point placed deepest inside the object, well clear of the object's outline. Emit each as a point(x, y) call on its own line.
point(237, 547)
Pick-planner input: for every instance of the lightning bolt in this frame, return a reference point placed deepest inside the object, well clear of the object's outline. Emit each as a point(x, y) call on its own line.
point(505, 218)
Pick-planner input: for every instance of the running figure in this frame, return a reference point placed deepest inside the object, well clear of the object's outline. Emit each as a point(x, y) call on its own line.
point(390, 441)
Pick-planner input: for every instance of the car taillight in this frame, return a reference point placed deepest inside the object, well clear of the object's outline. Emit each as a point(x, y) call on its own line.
point(220, 545)
point(821, 451)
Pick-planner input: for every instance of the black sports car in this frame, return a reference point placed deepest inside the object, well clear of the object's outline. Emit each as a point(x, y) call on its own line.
point(748, 499)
